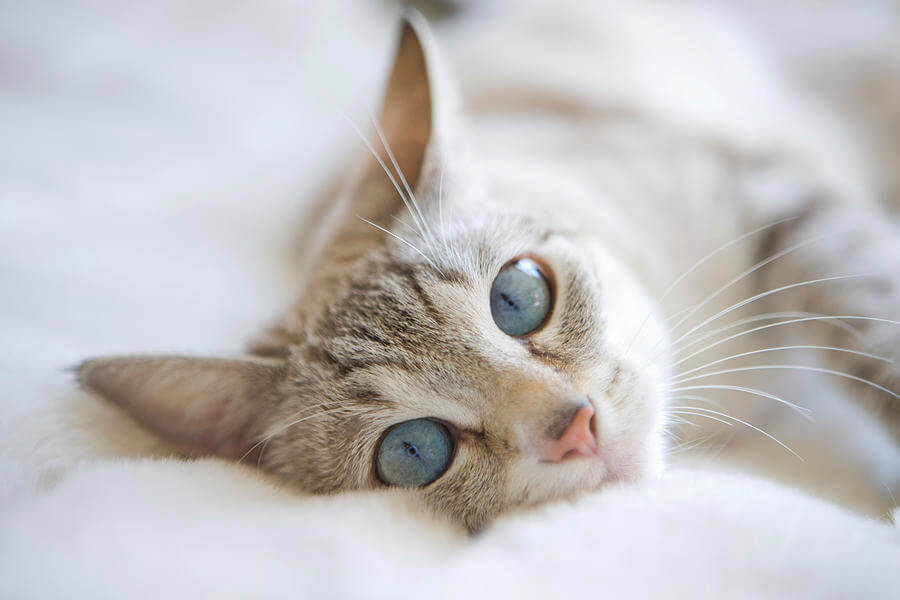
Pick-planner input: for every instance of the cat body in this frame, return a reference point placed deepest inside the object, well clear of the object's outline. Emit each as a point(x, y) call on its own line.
point(615, 182)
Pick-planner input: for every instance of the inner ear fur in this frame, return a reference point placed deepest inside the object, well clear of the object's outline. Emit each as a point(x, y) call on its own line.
point(204, 406)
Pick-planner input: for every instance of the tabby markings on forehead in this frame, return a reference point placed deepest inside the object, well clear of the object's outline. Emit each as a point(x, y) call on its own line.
point(345, 366)
point(408, 273)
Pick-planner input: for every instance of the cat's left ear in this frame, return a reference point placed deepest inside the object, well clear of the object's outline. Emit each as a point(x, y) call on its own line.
point(201, 405)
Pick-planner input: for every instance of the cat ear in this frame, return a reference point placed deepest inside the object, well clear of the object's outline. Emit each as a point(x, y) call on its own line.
point(203, 406)
point(413, 124)
point(407, 112)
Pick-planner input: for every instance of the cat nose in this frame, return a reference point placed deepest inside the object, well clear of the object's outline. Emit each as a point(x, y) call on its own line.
point(577, 437)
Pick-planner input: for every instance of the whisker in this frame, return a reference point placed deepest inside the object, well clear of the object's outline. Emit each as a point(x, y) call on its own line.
point(261, 452)
point(284, 428)
point(736, 388)
point(687, 412)
point(699, 399)
point(690, 445)
point(674, 418)
point(890, 493)
point(763, 350)
point(794, 368)
point(671, 435)
point(747, 273)
point(697, 265)
point(384, 167)
point(742, 422)
point(408, 226)
point(771, 315)
point(778, 324)
point(399, 171)
point(394, 235)
point(765, 294)
point(672, 415)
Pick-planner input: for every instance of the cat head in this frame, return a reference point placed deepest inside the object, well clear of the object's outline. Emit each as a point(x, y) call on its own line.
point(462, 336)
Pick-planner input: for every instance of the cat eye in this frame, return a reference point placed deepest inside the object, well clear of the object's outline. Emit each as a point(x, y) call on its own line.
point(520, 297)
point(414, 453)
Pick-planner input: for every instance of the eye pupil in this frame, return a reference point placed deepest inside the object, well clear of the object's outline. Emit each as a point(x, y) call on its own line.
point(520, 298)
point(411, 449)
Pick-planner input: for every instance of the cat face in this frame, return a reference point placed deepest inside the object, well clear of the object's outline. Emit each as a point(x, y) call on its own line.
point(471, 344)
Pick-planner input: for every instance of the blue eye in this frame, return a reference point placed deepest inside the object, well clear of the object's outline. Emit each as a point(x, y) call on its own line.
point(414, 453)
point(520, 298)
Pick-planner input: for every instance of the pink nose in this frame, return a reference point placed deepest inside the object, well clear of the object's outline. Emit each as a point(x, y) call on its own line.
point(576, 440)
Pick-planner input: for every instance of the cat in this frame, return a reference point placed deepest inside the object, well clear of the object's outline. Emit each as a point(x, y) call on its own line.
point(482, 317)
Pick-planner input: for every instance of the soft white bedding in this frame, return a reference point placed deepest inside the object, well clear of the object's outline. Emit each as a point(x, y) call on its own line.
point(207, 529)
point(153, 160)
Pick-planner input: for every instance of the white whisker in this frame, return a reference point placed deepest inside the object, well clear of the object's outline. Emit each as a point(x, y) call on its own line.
point(794, 368)
point(736, 388)
point(763, 350)
point(409, 191)
point(697, 265)
point(765, 294)
point(766, 316)
point(778, 324)
point(384, 167)
point(745, 274)
point(890, 493)
point(408, 226)
point(690, 446)
point(735, 419)
point(699, 399)
point(687, 412)
point(284, 428)
point(676, 420)
point(394, 235)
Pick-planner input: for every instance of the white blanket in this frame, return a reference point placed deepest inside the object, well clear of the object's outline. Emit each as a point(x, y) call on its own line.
point(213, 530)
point(153, 160)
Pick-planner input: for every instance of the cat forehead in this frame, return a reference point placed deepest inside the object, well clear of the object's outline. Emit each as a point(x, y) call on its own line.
point(470, 249)
point(451, 262)
point(399, 311)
